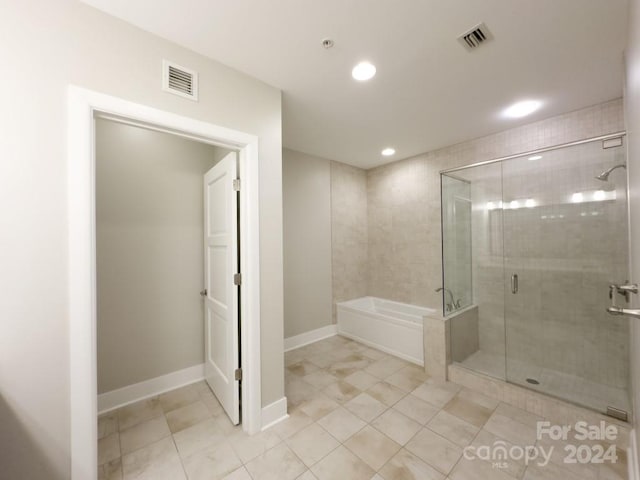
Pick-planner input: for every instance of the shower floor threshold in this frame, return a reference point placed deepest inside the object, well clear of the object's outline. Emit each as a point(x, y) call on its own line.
point(571, 388)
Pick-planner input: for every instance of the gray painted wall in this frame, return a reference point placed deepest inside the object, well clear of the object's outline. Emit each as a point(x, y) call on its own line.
point(306, 183)
point(50, 48)
point(149, 249)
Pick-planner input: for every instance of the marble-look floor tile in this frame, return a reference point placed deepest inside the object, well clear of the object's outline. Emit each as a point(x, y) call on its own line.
point(180, 397)
point(186, 416)
point(519, 415)
point(341, 424)
point(365, 407)
point(512, 467)
point(453, 428)
point(318, 406)
point(468, 411)
point(406, 466)
point(362, 380)
point(372, 446)
point(408, 378)
point(248, 447)
point(239, 474)
point(341, 392)
point(385, 366)
point(312, 443)
point(386, 393)
point(107, 424)
point(139, 412)
point(297, 421)
point(111, 470)
point(477, 469)
point(108, 448)
point(437, 451)
point(396, 426)
point(511, 430)
point(302, 368)
point(416, 409)
point(551, 471)
point(157, 461)
point(437, 394)
point(212, 463)
point(341, 464)
point(320, 379)
point(143, 434)
point(307, 476)
point(198, 437)
point(279, 463)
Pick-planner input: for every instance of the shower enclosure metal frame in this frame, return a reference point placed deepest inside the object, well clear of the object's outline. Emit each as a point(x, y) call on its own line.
point(513, 286)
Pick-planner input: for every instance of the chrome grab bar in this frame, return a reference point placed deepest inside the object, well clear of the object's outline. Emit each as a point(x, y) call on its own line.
point(632, 312)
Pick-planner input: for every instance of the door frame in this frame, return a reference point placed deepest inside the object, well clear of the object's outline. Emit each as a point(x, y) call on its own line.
point(83, 107)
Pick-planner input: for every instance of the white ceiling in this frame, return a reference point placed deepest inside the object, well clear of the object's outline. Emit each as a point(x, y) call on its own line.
point(429, 91)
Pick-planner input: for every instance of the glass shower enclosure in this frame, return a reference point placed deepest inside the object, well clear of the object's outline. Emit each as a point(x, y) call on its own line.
point(534, 241)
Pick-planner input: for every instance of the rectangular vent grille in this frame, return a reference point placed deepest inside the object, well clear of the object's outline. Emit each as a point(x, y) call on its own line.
point(179, 80)
point(475, 37)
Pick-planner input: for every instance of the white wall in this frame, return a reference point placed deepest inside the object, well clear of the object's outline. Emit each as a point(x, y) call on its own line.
point(149, 251)
point(632, 111)
point(306, 183)
point(47, 45)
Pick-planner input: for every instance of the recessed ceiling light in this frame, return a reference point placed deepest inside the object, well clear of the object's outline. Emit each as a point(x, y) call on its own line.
point(522, 109)
point(535, 157)
point(363, 71)
point(387, 152)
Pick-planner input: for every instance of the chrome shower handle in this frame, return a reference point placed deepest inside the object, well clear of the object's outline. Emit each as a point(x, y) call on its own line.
point(514, 283)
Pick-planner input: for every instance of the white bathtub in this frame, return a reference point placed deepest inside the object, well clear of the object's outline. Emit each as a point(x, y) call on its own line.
point(393, 327)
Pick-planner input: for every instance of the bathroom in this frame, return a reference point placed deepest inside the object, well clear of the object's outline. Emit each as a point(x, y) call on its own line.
point(552, 350)
point(431, 259)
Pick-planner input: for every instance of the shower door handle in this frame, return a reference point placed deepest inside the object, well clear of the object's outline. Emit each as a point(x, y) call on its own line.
point(514, 283)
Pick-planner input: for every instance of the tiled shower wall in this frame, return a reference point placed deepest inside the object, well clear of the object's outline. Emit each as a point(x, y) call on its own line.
point(404, 200)
point(349, 243)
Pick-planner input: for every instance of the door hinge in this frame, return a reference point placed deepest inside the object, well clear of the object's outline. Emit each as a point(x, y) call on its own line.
point(237, 279)
point(236, 184)
point(238, 374)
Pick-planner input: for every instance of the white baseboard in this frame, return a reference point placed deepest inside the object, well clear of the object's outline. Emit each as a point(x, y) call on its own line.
point(274, 413)
point(306, 338)
point(632, 457)
point(139, 391)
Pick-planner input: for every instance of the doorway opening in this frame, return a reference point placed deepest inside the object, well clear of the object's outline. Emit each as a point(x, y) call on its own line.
point(84, 107)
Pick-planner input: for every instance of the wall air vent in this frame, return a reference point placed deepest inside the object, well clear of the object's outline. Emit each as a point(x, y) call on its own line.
point(179, 80)
point(475, 37)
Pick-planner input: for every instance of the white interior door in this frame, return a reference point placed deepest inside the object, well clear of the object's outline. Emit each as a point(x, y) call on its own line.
point(221, 298)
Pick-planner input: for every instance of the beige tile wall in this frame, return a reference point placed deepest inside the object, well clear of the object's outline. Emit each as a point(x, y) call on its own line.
point(404, 200)
point(348, 233)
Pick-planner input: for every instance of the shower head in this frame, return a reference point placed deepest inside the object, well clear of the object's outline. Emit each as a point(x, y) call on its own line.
point(604, 176)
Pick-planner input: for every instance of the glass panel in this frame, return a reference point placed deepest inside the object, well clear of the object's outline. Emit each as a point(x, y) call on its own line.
point(456, 212)
point(565, 241)
point(473, 267)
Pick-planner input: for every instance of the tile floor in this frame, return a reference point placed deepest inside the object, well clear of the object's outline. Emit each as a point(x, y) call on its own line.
point(355, 414)
point(579, 390)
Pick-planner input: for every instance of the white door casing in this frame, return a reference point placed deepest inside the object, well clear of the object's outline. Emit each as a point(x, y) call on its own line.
point(221, 298)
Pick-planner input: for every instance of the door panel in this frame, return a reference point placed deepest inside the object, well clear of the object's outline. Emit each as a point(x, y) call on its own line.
point(565, 235)
point(221, 300)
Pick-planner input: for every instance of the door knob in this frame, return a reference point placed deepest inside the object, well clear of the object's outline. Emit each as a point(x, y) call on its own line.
point(203, 293)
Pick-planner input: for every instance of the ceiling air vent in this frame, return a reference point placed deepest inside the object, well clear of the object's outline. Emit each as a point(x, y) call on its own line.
point(179, 80)
point(475, 37)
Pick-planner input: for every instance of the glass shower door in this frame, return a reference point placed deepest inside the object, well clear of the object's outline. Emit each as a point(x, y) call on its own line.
point(565, 241)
